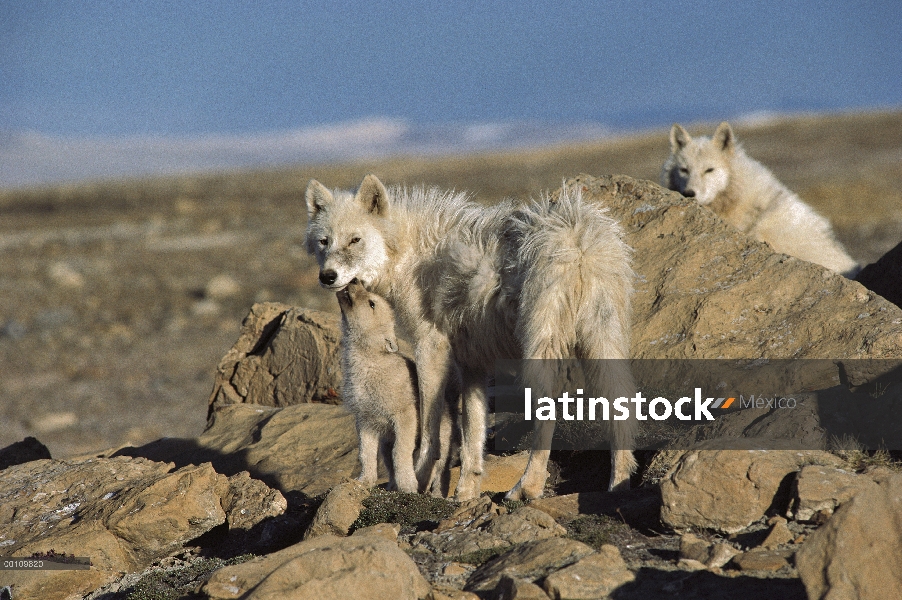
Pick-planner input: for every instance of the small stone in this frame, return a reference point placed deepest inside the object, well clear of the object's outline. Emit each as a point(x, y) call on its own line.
point(779, 534)
point(721, 554)
point(694, 548)
point(454, 569)
point(760, 560)
point(339, 510)
point(222, 287)
point(388, 531)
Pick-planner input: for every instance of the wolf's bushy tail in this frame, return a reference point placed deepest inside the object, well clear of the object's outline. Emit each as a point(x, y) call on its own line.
point(575, 297)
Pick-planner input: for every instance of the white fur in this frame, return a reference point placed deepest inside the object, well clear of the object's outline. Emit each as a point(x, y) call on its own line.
point(718, 173)
point(470, 285)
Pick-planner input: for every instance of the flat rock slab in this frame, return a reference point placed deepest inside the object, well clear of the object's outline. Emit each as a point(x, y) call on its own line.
point(306, 448)
point(531, 561)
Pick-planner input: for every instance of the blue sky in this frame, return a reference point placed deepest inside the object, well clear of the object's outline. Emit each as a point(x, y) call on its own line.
point(119, 71)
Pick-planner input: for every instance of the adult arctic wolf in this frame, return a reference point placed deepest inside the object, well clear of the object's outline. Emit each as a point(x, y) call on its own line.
point(719, 174)
point(470, 285)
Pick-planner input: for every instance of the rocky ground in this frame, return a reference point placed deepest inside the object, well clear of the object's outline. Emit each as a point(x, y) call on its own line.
point(121, 303)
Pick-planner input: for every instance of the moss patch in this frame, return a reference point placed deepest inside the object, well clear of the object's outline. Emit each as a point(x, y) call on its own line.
point(172, 584)
point(417, 511)
point(596, 530)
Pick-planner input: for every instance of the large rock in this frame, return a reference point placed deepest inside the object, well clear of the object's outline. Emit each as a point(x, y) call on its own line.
point(728, 490)
point(364, 567)
point(123, 513)
point(283, 356)
point(856, 553)
point(706, 290)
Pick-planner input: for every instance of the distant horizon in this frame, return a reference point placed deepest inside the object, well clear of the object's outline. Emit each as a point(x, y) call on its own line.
point(32, 160)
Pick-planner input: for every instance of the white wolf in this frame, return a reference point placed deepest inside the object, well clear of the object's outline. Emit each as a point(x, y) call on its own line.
point(379, 387)
point(719, 174)
point(471, 285)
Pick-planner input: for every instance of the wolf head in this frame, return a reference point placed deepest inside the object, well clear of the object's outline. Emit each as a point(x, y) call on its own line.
point(699, 168)
point(346, 232)
point(367, 318)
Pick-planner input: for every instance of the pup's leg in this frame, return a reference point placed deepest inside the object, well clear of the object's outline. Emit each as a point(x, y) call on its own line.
point(368, 452)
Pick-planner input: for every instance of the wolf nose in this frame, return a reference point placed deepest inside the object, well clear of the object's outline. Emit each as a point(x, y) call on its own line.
point(328, 277)
point(689, 193)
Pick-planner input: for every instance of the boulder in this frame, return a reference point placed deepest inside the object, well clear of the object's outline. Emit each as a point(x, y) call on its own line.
point(364, 567)
point(122, 513)
point(284, 356)
point(706, 290)
point(728, 490)
point(820, 489)
point(856, 553)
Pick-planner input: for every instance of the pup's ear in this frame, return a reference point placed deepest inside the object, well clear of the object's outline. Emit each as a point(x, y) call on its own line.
point(679, 137)
point(372, 196)
point(318, 197)
point(391, 345)
point(724, 138)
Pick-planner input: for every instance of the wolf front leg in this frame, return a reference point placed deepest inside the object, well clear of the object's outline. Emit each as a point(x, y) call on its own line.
point(434, 367)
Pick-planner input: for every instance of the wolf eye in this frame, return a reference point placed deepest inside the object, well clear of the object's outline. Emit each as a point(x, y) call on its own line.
point(709, 170)
point(684, 171)
point(372, 305)
point(355, 240)
point(324, 242)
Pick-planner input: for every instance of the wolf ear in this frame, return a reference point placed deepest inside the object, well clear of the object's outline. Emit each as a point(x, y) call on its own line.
point(391, 345)
point(679, 137)
point(372, 196)
point(724, 138)
point(318, 197)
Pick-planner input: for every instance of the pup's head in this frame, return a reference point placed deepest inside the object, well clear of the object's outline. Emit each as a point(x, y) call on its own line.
point(368, 321)
point(347, 232)
point(699, 168)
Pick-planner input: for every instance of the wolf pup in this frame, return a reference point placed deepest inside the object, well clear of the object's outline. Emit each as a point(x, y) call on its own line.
point(379, 387)
point(717, 172)
point(550, 279)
